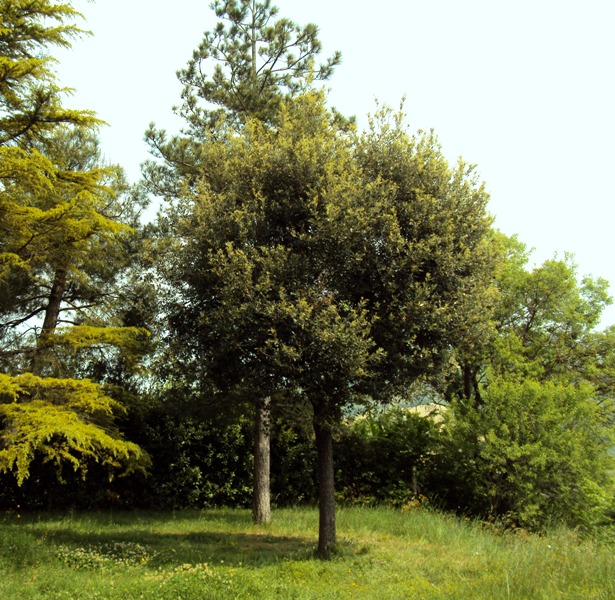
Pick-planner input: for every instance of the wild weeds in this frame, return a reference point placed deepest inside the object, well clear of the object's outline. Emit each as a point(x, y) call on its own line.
point(110, 555)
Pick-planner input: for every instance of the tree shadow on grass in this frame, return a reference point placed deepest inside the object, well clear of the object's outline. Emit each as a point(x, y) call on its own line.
point(227, 516)
point(174, 549)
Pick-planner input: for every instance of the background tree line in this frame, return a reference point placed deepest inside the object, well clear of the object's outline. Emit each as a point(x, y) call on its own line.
point(304, 284)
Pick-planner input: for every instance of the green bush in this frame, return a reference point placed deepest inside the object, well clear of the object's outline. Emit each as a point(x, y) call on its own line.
point(382, 458)
point(198, 460)
point(293, 464)
point(531, 454)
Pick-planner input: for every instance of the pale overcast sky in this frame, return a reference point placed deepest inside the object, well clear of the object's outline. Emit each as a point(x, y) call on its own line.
point(524, 89)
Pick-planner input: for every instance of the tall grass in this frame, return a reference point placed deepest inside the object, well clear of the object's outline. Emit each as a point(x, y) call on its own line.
point(221, 554)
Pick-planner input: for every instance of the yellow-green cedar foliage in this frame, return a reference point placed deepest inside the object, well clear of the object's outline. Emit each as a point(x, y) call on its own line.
point(62, 235)
point(62, 421)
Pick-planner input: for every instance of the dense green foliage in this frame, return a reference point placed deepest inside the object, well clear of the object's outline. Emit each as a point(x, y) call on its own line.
point(322, 266)
point(386, 459)
point(329, 271)
point(531, 416)
point(534, 454)
point(199, 459)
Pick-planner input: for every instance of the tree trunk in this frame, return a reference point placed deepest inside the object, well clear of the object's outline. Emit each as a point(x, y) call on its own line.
point(326, 489)
point(50, 322)
point(261, 505)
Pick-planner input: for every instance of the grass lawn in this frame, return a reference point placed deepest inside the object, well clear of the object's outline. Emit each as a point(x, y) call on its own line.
point(221, 554)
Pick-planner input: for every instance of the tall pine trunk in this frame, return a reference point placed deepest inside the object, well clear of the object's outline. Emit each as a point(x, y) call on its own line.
point(261, 504)
point(326, 486)
point(50, 322)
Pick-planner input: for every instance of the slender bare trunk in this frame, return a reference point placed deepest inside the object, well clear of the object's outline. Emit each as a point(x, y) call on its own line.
point(50, 322)
point(261, 507)
point(326, 488)
point(471, 389)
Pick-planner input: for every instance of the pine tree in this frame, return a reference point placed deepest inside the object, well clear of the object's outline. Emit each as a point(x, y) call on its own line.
point(241, 71)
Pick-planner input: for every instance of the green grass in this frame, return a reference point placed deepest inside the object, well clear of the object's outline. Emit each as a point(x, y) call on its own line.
point(220, 554)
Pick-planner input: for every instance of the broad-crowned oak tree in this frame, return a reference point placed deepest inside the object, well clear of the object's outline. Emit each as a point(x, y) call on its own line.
point(325, 266)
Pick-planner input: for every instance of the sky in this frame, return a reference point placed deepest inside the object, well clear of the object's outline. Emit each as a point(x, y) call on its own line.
point(525, 90)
